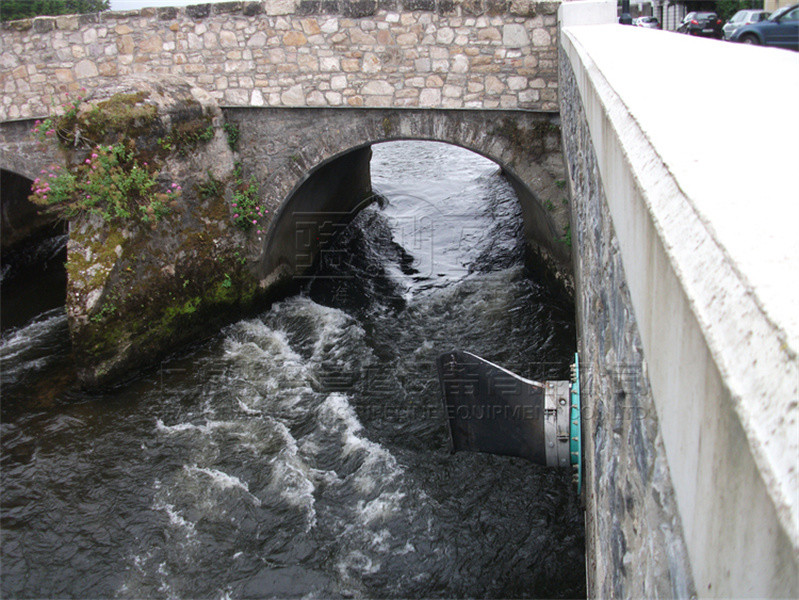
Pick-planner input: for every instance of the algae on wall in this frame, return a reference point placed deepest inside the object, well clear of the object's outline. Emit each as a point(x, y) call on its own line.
point(158, 255)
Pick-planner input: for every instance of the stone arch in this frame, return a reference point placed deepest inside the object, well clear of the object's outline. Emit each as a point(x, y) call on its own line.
point(22, 221)
point(526, 145)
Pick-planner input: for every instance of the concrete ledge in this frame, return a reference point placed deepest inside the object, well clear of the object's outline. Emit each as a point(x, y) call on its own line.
point(696, 147)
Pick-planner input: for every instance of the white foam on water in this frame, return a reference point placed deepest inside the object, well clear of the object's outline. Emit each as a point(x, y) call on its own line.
point(205, 429)
point(379, 541)
point(357, 561)
point(247, 410)
point(407, 549)
point(378, 465)
point(176, 519)
point(267, 358)
point(291, 476)
point(384, 506)
point(222, 480)
point(28, 337)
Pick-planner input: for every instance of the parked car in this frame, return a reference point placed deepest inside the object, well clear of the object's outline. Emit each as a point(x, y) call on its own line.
point(780, 30)
point(741, 18)
point(648, 22)
point(706, 24)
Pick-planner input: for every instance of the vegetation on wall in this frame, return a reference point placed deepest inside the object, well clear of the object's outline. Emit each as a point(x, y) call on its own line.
point(115, 180)
point(11, 10)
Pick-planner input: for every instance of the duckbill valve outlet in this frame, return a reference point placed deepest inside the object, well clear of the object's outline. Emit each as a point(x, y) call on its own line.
point(489, 409)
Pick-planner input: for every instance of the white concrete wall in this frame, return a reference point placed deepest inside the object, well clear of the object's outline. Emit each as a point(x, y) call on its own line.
point(696, 142)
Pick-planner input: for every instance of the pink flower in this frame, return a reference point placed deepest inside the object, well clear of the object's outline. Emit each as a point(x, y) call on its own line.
point(94, 155)
point(235, 205)
point(236, 216)
point(254, 222)
point(88, 161)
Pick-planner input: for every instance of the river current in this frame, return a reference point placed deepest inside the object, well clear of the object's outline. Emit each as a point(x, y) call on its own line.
point(303, 452)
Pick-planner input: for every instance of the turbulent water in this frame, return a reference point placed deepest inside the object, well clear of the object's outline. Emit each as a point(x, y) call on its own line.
point(303, 453)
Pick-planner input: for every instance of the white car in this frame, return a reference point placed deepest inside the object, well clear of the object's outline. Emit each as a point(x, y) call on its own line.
point(741, 18)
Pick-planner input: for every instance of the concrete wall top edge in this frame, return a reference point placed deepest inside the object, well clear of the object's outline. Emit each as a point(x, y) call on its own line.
point(723, 200)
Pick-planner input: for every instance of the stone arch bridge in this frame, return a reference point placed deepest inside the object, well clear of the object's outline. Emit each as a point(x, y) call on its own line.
point(309, 80)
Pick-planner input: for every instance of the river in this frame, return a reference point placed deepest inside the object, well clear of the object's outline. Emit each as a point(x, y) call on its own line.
point(303, 452)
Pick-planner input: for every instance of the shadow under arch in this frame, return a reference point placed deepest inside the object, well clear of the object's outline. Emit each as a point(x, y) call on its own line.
point(21, 219)
point(331, 194)
point(32, 255)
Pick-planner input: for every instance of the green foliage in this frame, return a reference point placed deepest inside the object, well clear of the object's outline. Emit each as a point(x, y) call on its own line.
point(725, 9)
point(11, 10)
point(567, 236)
point(186, 136)
point(212, 188)
point(232, 131)
point(57, 127)
point(110, 183)
point(227, 282)
point(549, 205)
point(560, 183)
point(247, 211)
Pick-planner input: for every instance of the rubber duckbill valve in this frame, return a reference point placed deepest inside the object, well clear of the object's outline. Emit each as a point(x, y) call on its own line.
point(489, 409)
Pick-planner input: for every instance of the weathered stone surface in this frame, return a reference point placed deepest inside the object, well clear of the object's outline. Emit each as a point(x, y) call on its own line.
point(290, 43)
point(640, 551)
point(137, 291)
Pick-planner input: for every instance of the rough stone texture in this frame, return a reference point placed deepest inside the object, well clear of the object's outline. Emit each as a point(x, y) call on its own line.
point(135, 292)
point(635, 545)
point(282, 146)
point(283, 149)
point(293, 53)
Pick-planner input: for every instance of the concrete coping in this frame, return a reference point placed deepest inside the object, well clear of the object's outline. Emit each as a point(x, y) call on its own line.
point(710, 131)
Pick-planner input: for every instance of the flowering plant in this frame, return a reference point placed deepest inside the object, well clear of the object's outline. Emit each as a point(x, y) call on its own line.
point(111, 183)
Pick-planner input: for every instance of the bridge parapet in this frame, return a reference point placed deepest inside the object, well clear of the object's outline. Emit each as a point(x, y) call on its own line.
point(686, 253)
point(478, 54)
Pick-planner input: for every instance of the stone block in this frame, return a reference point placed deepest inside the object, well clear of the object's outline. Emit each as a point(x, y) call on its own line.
point(430, 97)
point(67, 23)
point(514, 35)
point(425, 5)
point(223, 8)
point(43, 24)
point(357, 9)
point(198, 11)
point(294, 38)
point(167, 13)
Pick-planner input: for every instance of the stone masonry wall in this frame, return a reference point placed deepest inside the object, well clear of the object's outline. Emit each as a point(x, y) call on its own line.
point(634, 540)
point(285, 53)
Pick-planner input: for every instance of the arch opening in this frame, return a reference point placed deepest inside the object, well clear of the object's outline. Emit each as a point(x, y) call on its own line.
point(32, 255)
point(328, 197)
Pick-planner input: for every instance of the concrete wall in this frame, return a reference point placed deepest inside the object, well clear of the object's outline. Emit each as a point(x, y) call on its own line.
point(686, 310)
point(413, 53)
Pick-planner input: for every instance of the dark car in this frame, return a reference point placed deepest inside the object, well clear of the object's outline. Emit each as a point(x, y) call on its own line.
point(648, 22)
point(741, 18)
point(780, 30)
point(706, 24)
